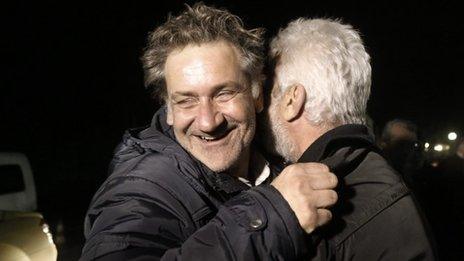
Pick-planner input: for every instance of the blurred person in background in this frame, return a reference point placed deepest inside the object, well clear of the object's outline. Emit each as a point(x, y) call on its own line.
point(401, 146)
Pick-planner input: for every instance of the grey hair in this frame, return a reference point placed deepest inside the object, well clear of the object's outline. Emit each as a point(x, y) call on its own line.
point(197, 25)
point(329, 59)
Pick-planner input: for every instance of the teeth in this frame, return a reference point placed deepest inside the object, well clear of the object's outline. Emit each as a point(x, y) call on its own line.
point(207, 138)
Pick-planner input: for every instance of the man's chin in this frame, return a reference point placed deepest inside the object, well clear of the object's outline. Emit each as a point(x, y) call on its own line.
point(218, 165)
point(218, 158)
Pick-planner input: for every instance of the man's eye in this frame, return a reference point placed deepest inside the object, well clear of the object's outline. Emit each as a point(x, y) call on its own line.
point(185, 103)
point(225, 95)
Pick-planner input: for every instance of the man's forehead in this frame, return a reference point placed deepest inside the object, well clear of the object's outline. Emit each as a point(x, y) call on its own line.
point(210, 64)
point(218, 51)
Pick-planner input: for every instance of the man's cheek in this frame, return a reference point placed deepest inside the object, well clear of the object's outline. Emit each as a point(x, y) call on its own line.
point(180, 116)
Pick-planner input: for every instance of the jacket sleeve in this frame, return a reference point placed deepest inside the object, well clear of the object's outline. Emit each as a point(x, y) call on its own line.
point(258, 224)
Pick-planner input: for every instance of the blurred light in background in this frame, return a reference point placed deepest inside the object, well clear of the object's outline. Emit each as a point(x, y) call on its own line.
point(438, 147)
point(452, 135)
point(426, 146)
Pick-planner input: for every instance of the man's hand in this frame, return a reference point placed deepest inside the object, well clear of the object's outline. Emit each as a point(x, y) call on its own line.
point(308, 189)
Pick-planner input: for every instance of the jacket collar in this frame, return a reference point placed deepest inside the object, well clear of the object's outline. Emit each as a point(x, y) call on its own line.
point(349, 135)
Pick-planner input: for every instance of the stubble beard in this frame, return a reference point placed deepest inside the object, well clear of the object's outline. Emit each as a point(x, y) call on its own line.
point(279, 140)
point(225, 158)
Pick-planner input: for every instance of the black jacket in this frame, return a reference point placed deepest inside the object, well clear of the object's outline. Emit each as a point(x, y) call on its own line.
point(376, 217)
point(160, 203)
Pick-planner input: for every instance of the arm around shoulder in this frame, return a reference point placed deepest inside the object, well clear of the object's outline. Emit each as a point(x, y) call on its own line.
point(257, 224)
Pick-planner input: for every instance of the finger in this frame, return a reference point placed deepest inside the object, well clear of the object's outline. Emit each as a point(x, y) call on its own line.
point(319, 181)
point(313, 167)
point(324, 198)
point(323, 216)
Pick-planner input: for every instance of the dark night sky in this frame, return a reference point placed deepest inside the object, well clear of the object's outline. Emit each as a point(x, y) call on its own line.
point(71, 79)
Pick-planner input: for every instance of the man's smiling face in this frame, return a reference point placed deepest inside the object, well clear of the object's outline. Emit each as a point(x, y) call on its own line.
point(210, 104)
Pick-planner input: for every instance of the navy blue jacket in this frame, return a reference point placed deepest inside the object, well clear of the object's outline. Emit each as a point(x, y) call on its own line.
point(160, 203)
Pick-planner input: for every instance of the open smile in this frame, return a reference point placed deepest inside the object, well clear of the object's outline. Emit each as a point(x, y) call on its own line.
point(213, 139)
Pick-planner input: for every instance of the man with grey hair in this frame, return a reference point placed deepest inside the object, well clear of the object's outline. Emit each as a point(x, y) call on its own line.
point(317, 113)
point(180, 189)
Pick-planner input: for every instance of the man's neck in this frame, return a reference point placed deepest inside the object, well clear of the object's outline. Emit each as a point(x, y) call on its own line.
point(241, 168)
point(258, 169)
point(306, 134)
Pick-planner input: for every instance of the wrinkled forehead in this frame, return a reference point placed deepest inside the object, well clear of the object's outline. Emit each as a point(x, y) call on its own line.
point(203, 65)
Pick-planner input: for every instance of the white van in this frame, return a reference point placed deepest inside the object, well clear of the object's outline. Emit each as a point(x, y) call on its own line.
point(24, 235)
point(17, 187)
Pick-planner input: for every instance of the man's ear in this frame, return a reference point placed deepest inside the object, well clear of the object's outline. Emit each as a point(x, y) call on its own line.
point(293, 102)
point(169, 119)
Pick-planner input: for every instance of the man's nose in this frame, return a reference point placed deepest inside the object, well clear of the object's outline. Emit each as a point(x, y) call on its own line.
point(209, 117)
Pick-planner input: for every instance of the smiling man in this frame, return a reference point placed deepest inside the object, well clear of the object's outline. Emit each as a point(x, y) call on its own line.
point(210, 105)
point(180, 189)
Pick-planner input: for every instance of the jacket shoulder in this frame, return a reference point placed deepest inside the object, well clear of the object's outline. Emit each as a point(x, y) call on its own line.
point(368, 187)
point(147, 202)
point(378, 213)
point(395, 231)
point(152, 176)
point(375, 168)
